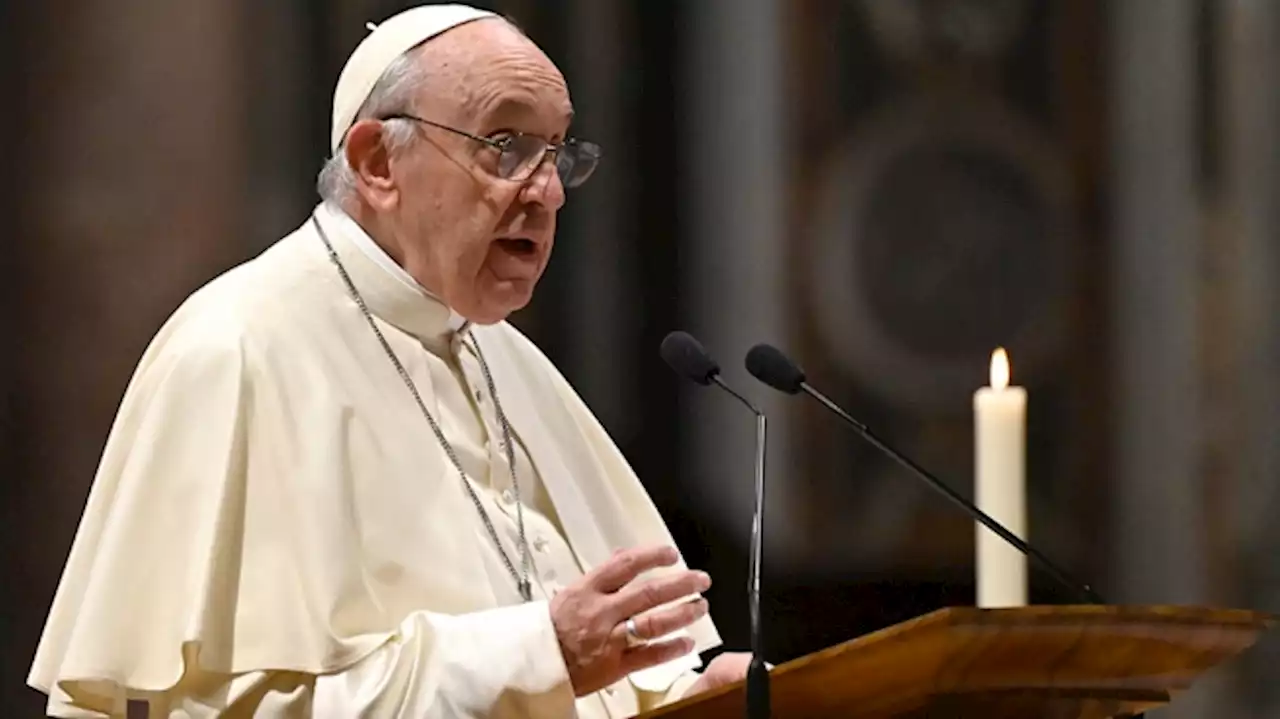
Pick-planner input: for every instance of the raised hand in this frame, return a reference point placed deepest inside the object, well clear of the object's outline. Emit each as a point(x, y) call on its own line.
point(590, 617)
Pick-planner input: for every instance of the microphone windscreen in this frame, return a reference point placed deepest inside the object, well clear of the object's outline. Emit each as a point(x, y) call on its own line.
point(767, 364)
point(687, 358)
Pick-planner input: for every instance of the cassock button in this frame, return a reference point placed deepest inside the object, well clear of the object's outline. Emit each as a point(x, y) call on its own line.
point(479, 396)
point(540, 544)
point(508, 496)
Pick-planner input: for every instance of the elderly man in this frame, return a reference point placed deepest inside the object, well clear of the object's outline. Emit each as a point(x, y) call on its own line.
point(341, 485)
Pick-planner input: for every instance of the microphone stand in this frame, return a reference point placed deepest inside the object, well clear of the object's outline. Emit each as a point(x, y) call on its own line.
point(769, 365)
point(686, 356)
point(759, 702)
point(1083, 590)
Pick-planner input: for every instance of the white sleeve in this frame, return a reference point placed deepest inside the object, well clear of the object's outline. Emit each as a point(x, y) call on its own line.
point(494, 664)
point(650, 700)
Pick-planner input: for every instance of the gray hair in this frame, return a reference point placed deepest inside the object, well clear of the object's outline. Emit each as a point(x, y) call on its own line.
point(393, 93)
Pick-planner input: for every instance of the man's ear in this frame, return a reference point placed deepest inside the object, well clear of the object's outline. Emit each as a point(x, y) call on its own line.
point(371, 162)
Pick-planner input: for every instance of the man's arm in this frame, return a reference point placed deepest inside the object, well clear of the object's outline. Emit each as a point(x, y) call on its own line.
point(498, 663)
point(529, 660)
point(495, 664)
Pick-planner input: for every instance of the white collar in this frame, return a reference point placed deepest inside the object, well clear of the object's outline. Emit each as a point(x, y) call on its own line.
point(372, 250)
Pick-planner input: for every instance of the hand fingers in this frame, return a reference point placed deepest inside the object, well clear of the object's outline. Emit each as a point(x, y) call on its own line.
point(655, 653)
point(636, 598)
point(661, 622)
point(628, 564)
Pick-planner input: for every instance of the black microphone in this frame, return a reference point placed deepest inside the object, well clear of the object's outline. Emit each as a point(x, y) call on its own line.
point(769, 365)
point(686, 356)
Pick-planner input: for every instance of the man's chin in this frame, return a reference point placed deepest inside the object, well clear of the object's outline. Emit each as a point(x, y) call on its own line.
point(497, 306)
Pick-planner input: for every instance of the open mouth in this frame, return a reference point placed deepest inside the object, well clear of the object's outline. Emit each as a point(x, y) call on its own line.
point(518, 245)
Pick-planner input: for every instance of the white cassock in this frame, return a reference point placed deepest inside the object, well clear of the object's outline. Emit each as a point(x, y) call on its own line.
point(275, 531)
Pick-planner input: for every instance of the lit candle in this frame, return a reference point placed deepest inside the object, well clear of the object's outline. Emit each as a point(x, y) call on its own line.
point(1000, 485)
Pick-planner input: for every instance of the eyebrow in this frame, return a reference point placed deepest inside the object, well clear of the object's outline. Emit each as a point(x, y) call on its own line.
point(512, 107)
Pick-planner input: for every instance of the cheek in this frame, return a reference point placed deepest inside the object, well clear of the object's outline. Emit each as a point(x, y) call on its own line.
point(469, 243)
point(445, 222)
point(459, 220)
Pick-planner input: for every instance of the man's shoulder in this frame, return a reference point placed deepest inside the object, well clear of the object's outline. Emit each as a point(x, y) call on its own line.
point(246, 306)
point(279, 280)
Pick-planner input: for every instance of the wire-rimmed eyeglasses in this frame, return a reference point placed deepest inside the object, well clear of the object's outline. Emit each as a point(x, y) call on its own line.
point(520, 155)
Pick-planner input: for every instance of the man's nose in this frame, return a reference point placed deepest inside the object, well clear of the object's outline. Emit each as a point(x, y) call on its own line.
point(544, 186)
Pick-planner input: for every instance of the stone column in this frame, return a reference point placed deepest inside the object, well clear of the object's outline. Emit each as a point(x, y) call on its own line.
point(735, 176)
point(1159, 527)
point(598, 247)
point(10, 202)
point(1250, 104)
point(133, 167)
point(289, 88)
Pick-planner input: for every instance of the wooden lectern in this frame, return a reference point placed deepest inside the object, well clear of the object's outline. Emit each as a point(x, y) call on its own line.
point(1044, 662)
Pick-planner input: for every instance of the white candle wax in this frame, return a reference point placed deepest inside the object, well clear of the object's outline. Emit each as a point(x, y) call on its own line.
point(1000, 486)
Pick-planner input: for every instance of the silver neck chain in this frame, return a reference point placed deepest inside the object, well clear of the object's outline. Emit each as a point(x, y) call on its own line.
point(521, 578)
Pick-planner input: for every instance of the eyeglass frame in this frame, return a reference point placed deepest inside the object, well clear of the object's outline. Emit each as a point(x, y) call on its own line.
point(551, 149)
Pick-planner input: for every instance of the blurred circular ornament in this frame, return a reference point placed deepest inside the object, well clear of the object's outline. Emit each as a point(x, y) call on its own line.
point(940, 231)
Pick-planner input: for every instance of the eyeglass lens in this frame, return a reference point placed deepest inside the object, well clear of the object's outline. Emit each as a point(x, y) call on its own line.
point(574, 163)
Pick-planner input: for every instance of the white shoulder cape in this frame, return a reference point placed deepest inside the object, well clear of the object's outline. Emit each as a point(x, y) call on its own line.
point(259, 505)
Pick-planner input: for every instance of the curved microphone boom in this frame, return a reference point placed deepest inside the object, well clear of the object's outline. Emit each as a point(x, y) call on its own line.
point(769, 365)
point(686, 356)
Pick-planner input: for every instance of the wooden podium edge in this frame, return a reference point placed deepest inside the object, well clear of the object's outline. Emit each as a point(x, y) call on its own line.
point(1228, 618)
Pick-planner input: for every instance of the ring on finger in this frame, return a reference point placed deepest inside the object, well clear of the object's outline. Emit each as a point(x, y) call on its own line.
point(633, 635)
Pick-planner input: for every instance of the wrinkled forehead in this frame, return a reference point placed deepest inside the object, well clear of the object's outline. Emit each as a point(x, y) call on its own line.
point(490, 67)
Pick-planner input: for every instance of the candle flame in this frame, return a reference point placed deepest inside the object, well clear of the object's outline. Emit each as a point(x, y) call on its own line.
point(999, 368)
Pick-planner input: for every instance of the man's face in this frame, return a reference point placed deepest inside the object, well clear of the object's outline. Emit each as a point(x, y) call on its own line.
point(477, 240)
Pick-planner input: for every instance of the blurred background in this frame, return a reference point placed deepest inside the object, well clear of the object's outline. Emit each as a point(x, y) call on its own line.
point(887, 189)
